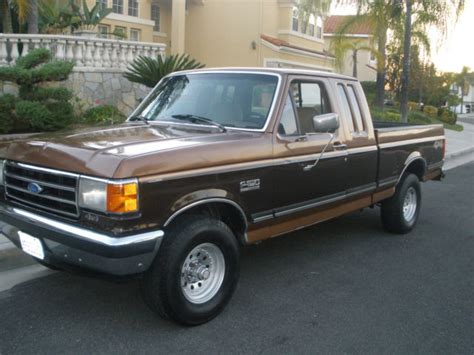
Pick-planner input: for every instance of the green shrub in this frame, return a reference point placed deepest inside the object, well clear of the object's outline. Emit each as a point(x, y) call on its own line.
point(369, 90)
point(387, 115)
point(42, 108)
point(7, 105)
point(431, 111)
point(418, 117)
point(446, 116)
point(413, 106)
point(104, 114)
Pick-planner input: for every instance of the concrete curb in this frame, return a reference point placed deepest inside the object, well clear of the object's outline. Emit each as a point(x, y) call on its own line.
point(461, 157)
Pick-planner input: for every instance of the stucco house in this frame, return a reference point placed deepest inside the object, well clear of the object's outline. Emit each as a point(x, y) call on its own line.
point(225, 32)
point(467, 100)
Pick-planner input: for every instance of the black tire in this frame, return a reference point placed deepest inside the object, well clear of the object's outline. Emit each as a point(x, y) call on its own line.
point(394, 219)
point(162, 287)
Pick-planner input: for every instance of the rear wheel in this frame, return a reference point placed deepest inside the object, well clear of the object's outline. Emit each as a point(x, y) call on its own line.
point(400, 212)
point(195, 272)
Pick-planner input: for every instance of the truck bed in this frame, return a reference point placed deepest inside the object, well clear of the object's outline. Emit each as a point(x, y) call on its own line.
point(398, 143)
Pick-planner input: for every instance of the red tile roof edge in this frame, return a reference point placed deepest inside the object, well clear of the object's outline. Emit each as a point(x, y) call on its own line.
point(281, 43)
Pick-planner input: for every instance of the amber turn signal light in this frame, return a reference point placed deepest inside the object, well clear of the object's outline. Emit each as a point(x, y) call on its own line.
point(122, 198)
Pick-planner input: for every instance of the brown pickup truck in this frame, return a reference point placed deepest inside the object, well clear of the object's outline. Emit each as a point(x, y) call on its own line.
point(209, 161)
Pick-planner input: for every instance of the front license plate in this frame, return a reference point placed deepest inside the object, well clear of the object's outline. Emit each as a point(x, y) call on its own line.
point(31, 245)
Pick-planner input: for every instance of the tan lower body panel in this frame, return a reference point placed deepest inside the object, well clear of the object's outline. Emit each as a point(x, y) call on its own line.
point(283, 225)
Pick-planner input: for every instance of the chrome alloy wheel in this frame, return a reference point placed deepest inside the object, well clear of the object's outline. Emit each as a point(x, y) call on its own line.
point(202, 273)
point(409, 204)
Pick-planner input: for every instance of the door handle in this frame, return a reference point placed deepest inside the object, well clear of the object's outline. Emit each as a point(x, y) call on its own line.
point(339, 146)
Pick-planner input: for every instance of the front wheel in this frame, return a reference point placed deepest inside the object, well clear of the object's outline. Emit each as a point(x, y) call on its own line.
point(195, 272)
point(400, 212)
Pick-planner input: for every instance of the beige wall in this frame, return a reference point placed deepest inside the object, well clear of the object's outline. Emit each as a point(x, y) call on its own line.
point(364, 73)
point(221, 32)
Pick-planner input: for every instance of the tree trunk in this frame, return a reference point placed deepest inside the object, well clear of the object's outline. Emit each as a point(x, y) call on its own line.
point(354, 63)
point(380, 83)
point(32, 19)
point(406, 64)
point(6, 17)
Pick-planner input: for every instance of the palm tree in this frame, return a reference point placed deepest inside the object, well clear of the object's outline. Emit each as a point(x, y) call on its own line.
point(149, 71)
point(379, 14)
point(26, 10)
point(341, 45)
point(431, 13)
point(463, 84)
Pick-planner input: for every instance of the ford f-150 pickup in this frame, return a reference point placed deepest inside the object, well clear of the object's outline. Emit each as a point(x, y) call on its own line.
point(211, 160)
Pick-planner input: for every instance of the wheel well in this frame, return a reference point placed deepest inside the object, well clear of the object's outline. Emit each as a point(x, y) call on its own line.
point(417, 167)
point(231, 215)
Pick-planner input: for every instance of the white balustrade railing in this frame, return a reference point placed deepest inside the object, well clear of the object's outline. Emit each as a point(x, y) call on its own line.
point(99, 53)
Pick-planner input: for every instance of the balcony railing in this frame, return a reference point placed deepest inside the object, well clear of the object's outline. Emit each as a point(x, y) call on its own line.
point(86, 53)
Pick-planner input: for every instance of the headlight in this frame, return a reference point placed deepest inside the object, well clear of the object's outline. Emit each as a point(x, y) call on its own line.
point(2, 176)
point(108, 196)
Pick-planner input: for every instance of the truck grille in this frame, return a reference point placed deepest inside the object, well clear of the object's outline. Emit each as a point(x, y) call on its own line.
point(45, 189)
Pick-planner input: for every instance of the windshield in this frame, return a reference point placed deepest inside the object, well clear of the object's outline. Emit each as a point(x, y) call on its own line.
point(237, 100)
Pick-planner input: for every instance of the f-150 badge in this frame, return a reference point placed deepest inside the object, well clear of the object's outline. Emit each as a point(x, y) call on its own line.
point(249, 185)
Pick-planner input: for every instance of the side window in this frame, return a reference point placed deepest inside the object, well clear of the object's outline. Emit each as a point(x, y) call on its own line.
point(345, 106)
point(311, 100)
point(356, 108)
point(288, 125)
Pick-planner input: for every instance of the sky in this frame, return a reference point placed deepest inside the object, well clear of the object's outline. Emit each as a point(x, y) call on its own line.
point(454, 51)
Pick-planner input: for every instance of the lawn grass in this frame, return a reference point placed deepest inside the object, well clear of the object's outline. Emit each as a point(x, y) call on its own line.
point(414, 117)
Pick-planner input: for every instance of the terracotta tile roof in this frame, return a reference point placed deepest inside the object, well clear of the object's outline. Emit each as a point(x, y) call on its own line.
point(334, 22)
point(281, 43)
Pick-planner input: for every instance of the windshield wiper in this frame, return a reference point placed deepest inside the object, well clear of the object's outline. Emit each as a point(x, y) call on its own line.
point(197, 119)
point(139, 118)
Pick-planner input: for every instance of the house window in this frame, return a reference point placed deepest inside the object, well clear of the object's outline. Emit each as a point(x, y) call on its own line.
point(117, 6)
point(311, 25)
point(319, 27)
point(120, 32)
point(134, 34)
point(133, 8)
point(103, 31)
point(155, 16)
point(294, 25)
point(102, 3)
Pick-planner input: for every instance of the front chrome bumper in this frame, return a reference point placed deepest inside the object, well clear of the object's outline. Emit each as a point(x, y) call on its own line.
point(65, 243)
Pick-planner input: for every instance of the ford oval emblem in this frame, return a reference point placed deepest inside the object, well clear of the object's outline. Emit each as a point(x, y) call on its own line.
point(34, 188)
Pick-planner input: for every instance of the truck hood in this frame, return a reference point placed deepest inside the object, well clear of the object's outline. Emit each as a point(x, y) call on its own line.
point(131, 149)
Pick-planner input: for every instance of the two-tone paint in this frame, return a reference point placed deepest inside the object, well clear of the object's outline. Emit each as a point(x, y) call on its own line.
point(182, 168)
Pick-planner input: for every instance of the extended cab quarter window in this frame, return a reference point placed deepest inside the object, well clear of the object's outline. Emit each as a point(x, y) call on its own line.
point(356, 108)
point(311, 100)
point(345, 107)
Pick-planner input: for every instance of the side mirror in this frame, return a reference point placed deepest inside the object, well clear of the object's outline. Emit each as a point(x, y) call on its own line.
point(327, 123)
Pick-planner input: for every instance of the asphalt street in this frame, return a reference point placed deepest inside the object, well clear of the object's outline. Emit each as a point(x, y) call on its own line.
point(344, 286)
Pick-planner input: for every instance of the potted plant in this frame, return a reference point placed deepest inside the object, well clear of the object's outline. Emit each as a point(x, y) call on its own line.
point(88, 18)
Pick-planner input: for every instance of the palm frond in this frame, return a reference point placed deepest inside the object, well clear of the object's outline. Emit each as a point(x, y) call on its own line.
point(149, 71)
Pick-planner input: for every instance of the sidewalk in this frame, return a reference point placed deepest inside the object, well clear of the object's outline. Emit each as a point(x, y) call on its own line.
point(460, 145)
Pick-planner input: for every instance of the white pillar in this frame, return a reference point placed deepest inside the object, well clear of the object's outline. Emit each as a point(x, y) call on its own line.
point(97, 55)
point(3, 50)
point(178, 20)
point(14, 53)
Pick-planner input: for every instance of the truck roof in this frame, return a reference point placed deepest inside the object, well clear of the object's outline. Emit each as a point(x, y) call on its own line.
point(282, 71)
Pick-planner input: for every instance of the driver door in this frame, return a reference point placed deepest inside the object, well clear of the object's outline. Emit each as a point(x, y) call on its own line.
point(297, 147)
